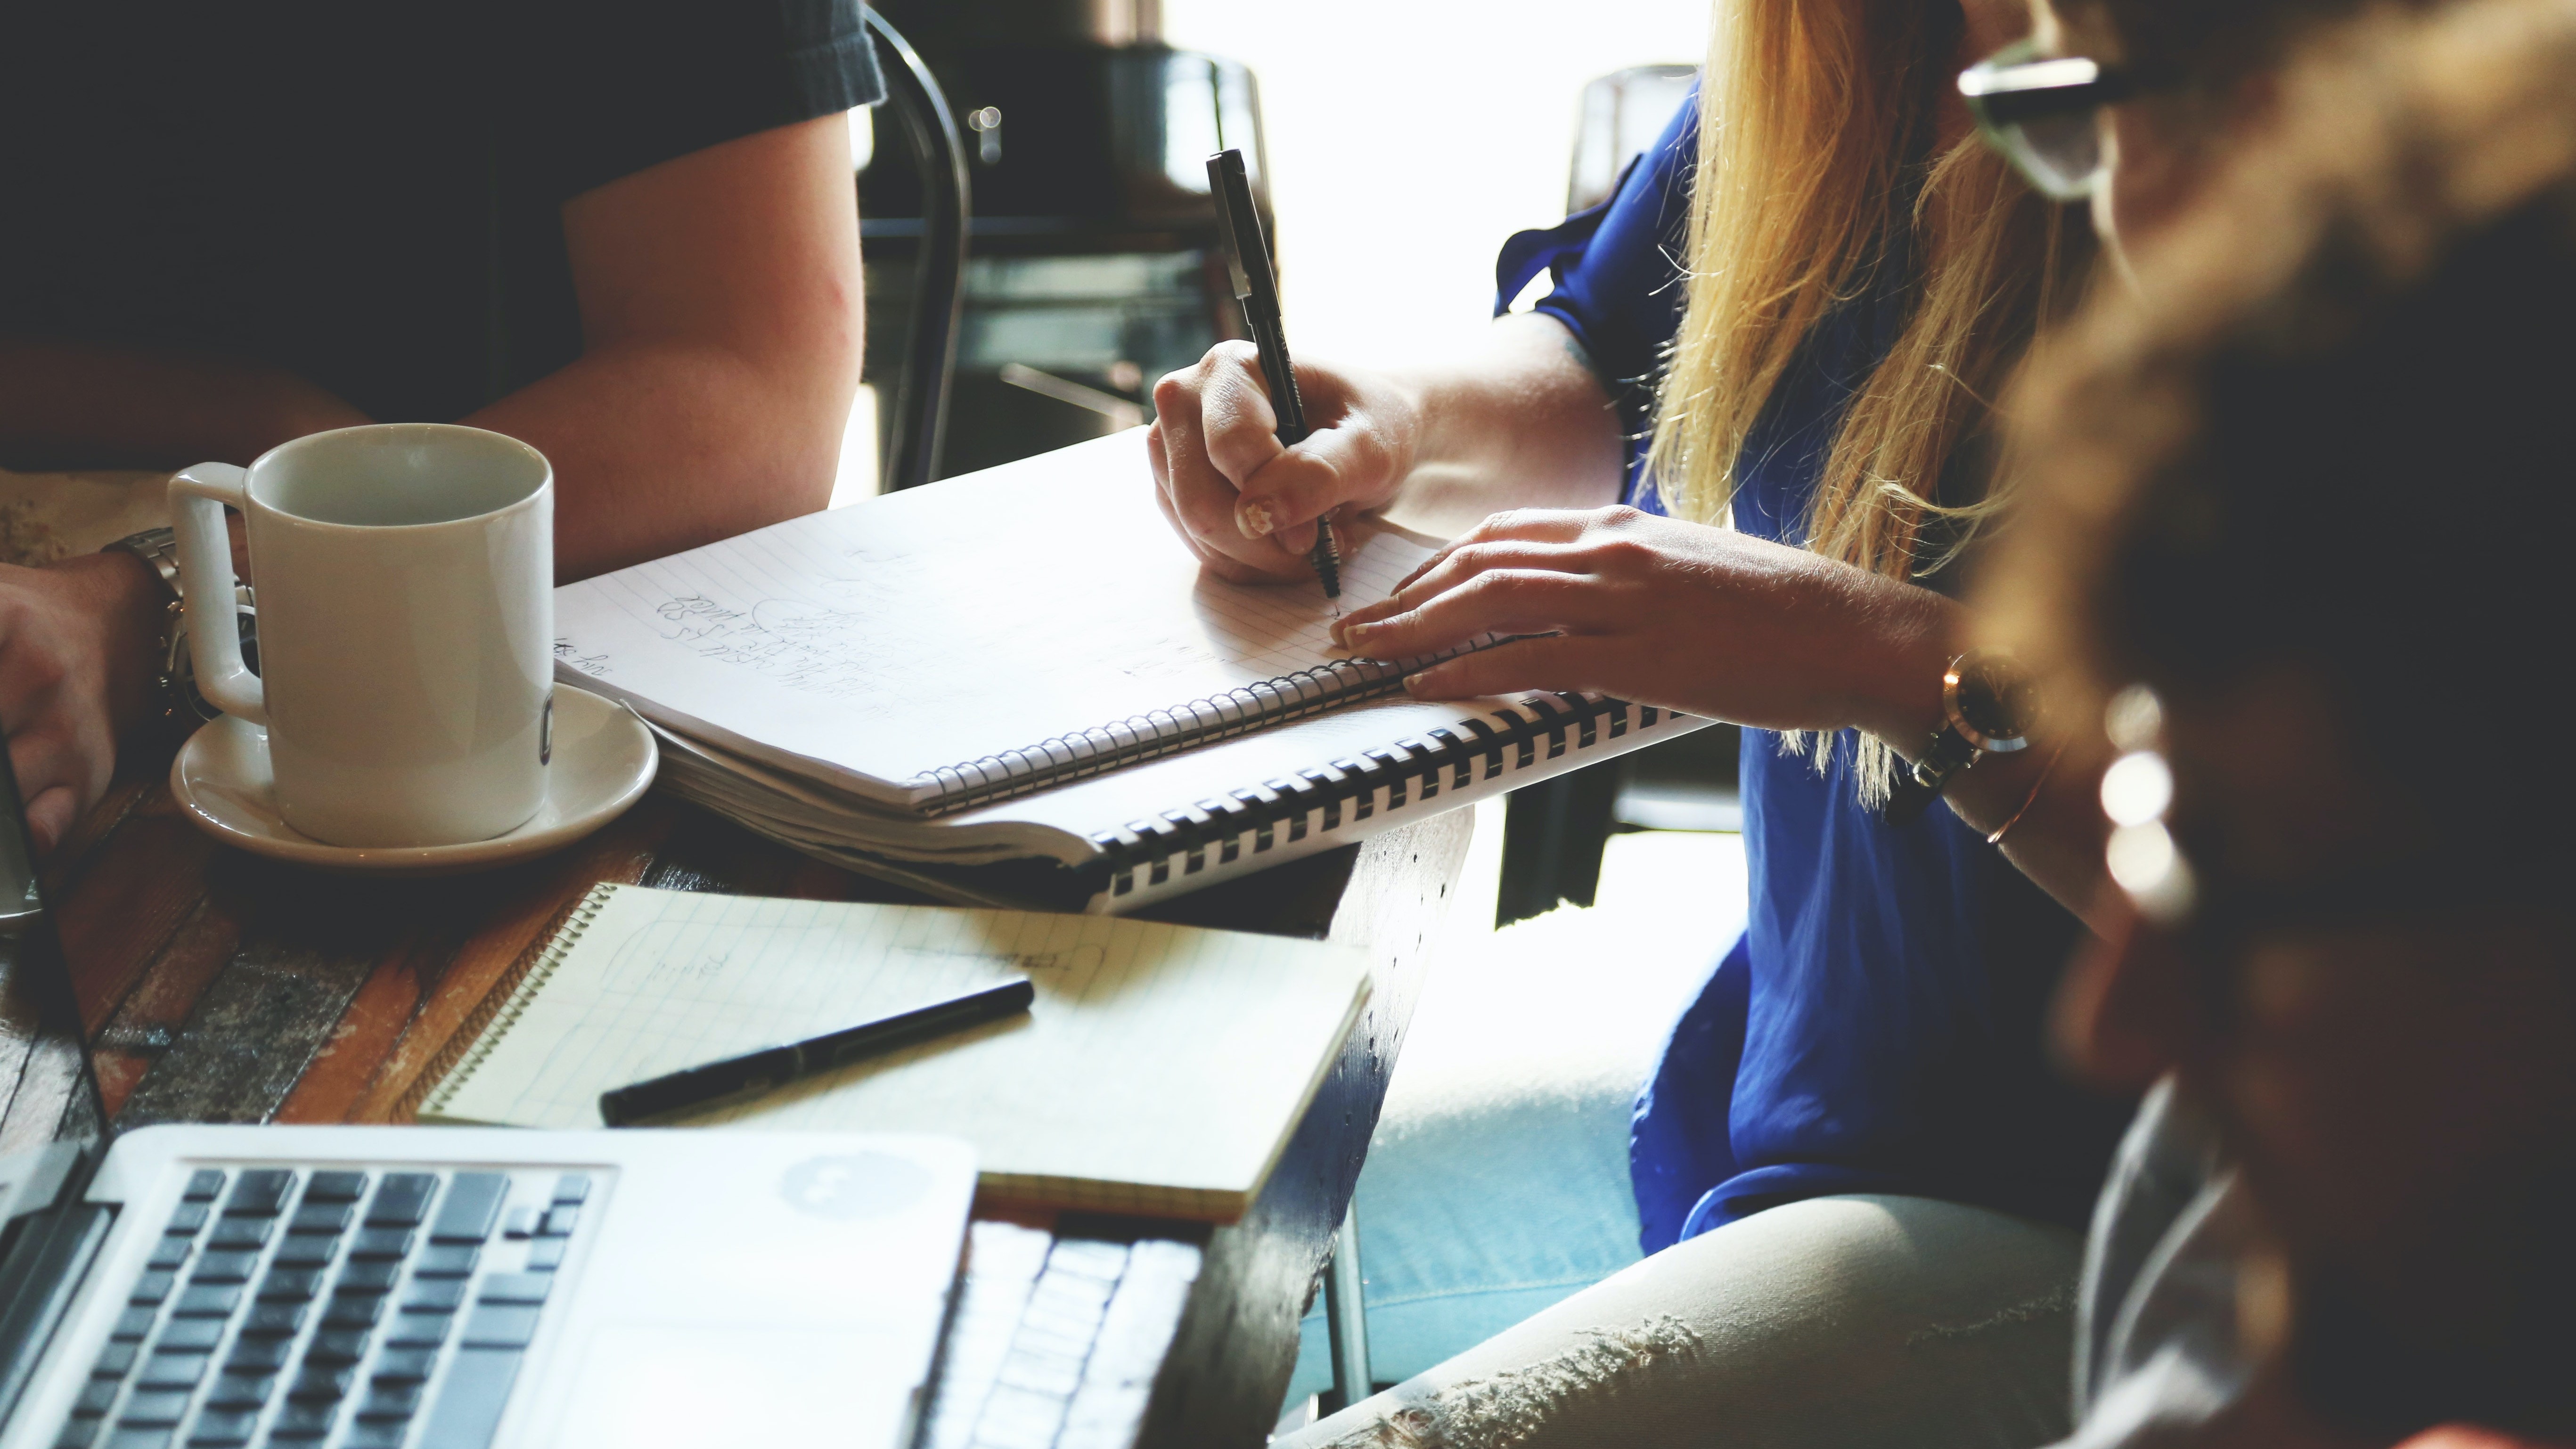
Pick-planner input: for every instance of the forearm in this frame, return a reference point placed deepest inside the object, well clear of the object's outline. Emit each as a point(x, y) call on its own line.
point(2043, 792)
point(2057, 839)
point(74, 405)
point(1521, 424)
point(659, 447)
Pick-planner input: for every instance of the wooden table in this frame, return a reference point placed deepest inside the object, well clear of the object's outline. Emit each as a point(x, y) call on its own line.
point(217, 987)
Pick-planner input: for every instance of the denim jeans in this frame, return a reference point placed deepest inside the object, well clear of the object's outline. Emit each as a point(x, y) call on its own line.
point(1835, 1323)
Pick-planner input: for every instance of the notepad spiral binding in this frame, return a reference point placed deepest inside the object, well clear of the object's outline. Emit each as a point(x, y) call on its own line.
point(1169, 731)
point(1217, 831)
point(501, 1006)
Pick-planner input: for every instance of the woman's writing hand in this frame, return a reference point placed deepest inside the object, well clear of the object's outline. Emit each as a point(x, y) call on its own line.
point(1243, 503)
point(1673, 614)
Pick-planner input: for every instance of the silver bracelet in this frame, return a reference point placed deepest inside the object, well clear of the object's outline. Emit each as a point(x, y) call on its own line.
point(174, 684)
point(157, 547)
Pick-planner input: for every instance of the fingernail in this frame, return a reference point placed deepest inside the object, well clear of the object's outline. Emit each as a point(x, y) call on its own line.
point(1413, 683)
point(1253, 517)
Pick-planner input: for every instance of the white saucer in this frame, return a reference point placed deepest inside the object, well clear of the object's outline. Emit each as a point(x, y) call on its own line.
point(603, 762)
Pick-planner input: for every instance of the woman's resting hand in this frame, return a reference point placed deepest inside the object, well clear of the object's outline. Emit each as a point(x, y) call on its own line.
point(1678, 615)
point(1243, 503)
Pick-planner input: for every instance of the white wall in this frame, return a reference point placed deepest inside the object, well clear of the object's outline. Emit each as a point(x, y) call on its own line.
point(1408, 138)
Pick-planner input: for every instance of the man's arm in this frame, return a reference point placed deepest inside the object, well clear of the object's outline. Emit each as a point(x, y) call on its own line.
point(720, 306)
point(79, 405)
point(720, 303)
point(720, 299)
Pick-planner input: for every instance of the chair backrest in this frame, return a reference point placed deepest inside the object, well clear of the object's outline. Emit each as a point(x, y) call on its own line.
point(1622, 114)
point(915, 420)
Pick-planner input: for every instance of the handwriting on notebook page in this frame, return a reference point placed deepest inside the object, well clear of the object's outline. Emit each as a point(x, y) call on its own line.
point(907, 634)
point(827, 639)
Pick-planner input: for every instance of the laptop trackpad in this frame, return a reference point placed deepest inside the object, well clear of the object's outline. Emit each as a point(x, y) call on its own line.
point(696, 1385)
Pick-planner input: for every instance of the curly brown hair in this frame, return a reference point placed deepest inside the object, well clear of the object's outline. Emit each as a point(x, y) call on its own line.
point(2212, 42)
point(2332, 431)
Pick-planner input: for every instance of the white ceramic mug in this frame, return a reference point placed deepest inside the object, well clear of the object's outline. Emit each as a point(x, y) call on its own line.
point(406, 626)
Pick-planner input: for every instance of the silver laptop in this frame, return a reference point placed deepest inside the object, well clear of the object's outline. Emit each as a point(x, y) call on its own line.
point(442, 1288)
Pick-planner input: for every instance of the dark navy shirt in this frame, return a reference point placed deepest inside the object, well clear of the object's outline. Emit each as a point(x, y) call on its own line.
point(1878, 1028)
point(369, 196)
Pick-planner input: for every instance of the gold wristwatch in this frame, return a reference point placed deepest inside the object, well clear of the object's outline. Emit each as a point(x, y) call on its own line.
point(181, 707)
point(1988, 707)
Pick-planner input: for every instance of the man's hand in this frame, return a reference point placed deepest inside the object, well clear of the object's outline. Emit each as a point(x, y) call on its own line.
point(1245, 504)
point(75, 670)
point(1667, 613)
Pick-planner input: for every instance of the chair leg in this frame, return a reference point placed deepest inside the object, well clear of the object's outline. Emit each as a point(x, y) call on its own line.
point(1345, 1312)
point(1553, 836)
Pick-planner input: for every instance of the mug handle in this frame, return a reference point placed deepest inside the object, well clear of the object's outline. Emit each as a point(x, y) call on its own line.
point(197, 499)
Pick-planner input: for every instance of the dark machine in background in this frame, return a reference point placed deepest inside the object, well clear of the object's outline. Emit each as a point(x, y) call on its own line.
point(1091, 255)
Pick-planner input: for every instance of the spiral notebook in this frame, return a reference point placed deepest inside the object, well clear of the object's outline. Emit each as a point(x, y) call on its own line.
point(1025, 668)
point(1160, 1070)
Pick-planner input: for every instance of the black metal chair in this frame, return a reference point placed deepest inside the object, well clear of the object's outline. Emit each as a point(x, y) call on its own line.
point(915, 420)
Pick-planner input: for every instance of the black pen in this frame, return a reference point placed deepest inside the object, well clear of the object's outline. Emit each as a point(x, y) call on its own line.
point(1256, 286)
point(773, 1067)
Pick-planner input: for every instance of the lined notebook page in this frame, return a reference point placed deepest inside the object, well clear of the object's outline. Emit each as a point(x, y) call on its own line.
point(941, 625)
point(1160, 1070)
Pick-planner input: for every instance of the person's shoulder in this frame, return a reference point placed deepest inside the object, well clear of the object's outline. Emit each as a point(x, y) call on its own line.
point(617, 86)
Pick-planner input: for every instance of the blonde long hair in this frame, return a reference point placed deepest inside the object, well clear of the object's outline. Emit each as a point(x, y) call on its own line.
point(1816, 127)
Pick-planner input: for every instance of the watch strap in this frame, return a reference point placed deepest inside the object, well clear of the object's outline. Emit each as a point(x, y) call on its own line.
point(158, 548)
point(1915, 789)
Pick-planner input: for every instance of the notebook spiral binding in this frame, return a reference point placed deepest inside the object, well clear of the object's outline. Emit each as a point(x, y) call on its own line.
point(1415, 768)
point(507, 999)
point(1169, 731)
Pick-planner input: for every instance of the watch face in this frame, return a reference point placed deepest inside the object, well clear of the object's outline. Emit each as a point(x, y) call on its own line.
point(1993, 699)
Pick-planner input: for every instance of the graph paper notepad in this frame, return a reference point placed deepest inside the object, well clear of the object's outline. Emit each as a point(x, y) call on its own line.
point(1161, 1069)
point(1019, 688)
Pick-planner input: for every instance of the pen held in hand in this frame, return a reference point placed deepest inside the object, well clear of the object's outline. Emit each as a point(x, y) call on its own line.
point(1327, 557)
point(1256, 286)
point(768, 1069)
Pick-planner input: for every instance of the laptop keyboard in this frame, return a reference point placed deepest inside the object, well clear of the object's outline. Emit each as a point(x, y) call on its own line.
point(1056, 1341)
point(331, 1310)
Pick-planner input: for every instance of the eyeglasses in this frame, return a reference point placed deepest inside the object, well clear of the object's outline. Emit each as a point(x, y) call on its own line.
point(2040, 112)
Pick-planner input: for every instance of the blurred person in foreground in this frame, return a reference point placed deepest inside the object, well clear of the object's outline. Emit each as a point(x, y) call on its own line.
point(2296, 510)
point(625, 234)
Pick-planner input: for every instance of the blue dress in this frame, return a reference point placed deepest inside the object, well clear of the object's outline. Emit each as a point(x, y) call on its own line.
point(1879, 1026)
